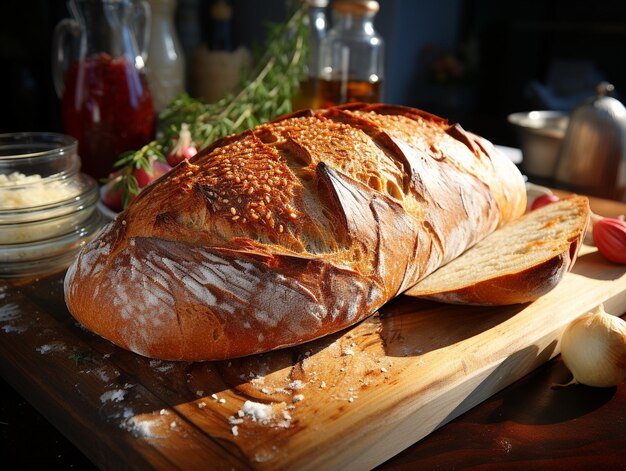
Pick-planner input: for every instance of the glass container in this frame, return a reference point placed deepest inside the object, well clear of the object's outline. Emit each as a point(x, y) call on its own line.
point(98, 69)
point(47, 206)
point(351, 56)
point(317, 25)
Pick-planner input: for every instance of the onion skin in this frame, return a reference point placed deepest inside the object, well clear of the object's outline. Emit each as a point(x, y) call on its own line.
point(593, 348)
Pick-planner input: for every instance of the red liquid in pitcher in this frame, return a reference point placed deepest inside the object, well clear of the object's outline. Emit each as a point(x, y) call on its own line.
point(108, 107)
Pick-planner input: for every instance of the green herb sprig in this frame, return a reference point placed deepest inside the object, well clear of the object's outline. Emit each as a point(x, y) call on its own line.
point(265, 95)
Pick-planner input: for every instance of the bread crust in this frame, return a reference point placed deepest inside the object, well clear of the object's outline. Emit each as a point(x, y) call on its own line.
point(513, 288)
point(289, 232)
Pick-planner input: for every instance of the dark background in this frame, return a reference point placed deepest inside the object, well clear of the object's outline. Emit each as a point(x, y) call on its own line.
point(503, 46)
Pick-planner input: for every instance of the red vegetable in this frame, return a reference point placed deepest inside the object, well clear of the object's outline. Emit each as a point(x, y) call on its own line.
point(543, 200)
point(145, 177)
point(183, 149)
point(112, 197)
point(610, 237)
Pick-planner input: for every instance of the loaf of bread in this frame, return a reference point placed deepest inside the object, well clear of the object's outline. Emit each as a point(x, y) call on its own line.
point(290, 232)
point(518, 263)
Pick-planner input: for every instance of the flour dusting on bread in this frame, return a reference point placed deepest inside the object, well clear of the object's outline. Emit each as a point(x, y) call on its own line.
point(290, 231)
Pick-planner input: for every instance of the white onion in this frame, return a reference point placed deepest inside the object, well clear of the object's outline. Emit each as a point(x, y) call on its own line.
point(593, 347)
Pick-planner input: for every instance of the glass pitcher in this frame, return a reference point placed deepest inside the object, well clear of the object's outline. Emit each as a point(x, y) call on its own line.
point(98, 59)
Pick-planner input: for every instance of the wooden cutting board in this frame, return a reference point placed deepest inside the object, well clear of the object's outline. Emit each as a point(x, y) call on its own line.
point(348, 401)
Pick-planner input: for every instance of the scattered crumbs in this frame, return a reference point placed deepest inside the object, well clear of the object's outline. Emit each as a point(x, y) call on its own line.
point(221, 400)
point(235, 430)
point(173, 424)
point(163, 412)
point(265, 391)
point(201, 405)
point(257, 412)
point(298, 398)
point(295, 385)
point(322, 384)
point(161, 366)
point(214, 396)
point(286, 422)
point(505, 445)
point(351, 399)
point(15, 329)
point(51, 347)
point(342, 369)
point(263, 456)
point(307, 354)
point(123, 222)
point(139, 427)
point(106, 355)
point(128, 413)
point(258, 379)
point(383, 369)
point(347, 352)
point(115, 395)
point(199, 393)
point(352, 344)
point(232, 420)
point(102, 374)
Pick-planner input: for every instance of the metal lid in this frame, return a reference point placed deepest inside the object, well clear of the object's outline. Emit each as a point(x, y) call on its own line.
point(593, 153)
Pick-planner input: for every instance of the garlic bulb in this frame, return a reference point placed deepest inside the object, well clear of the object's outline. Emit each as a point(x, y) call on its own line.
point(593, 347)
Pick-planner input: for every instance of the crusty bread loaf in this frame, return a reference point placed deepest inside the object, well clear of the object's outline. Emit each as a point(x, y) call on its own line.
point(291, 231)
point(515, 264)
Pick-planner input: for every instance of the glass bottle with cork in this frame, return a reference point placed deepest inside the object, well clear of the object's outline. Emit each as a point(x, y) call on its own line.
point(316, 22)
point(351, 55)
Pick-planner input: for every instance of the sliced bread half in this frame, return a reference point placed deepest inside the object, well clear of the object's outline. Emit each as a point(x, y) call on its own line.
point(517, 263)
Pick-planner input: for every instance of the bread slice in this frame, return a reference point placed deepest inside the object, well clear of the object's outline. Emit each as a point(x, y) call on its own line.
point(517, 263)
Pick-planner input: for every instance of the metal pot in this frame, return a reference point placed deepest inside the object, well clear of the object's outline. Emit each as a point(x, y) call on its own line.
point(540, 134)
point(592, 159)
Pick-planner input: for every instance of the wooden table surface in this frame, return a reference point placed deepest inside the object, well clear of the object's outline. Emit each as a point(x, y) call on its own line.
point(529, 425)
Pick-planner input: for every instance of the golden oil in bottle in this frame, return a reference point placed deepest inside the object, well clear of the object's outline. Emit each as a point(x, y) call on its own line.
point(336, 92)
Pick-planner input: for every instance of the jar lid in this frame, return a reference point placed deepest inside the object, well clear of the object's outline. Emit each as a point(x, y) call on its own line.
point(317, 3)
point(355, 6)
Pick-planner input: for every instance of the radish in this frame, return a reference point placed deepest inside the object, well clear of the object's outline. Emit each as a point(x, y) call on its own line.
point(183, 149)
point(145, 177)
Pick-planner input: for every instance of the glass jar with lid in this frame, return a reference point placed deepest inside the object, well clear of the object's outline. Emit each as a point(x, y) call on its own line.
point(351, 65)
